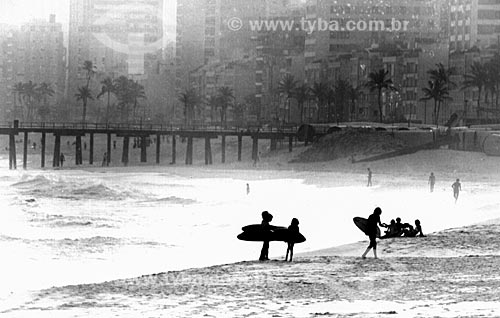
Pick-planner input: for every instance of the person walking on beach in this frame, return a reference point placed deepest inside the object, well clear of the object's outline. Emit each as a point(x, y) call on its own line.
point(105, 159)
point(432, 181)
point(371, 231)
point(293, 230)
point(61, 159)
point(456, 189)
point(248, 189)
point(256, 159)
point(266, 219)
point(369, 178)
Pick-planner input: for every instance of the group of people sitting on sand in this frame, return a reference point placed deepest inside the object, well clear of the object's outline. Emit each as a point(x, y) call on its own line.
point(397, 229)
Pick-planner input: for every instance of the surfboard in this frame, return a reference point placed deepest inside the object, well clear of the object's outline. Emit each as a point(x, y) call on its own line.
point(362, 224)
point(257, 227)
point(255, 233)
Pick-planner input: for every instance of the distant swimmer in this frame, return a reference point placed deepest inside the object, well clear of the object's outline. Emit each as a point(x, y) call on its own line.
point(293, 230)
point(369, 178)
point(266, 219)
point(371, 231)
point(456, 189)
point(432, 181)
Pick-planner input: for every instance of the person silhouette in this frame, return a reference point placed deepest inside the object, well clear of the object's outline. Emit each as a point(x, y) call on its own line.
point(293, 230)
point(456, 189)
point(62, 159)
point(432, 181)
point(371, 231)
point(248, 189)
point(266, 219)
point(369, 178)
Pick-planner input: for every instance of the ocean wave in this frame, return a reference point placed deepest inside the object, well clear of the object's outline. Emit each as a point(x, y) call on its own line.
point(177, 200)
point(89, 244)
point(71, 189)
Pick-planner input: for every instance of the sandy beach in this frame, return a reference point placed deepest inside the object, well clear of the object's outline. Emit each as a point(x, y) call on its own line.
point(452, 272)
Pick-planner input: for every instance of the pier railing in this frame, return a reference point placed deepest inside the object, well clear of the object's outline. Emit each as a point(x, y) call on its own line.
point(150, 127)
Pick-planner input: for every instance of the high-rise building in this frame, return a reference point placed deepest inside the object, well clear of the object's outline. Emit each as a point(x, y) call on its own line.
point(474, 23)
point(355, 25)
point(32, 53)
point(208, 40)
point(120, 37)
point(8, 53)
point(44, 55)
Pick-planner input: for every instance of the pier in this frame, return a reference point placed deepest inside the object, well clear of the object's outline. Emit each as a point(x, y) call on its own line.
point(139, 132)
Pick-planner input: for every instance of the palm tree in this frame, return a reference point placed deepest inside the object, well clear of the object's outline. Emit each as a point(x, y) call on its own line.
point(319, 91)
point(84, 94)
point(476, 78)
point(330, 100)
point(353, 94)
point(29, 93)
point(212, 102)
point(122, 91)
point(90, 68)
point(225, 97)
point(341, 97)
point(302, 95)
point(287, 86)
point(108, 88)
point(439, 92)
point(443, 75)
point(18, 92)
point(379, 81)
point(493, 75)
point(43, 92)
point(189, 99)
point(136, 92)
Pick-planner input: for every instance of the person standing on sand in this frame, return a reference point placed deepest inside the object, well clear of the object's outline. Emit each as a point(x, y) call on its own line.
point(266, 219)
point(432, 181)
point(248, 189)
point(456, 189)
point(369, 178)
point(105, 159)
point(293, 230)
point(61, 159)
point(371, 231)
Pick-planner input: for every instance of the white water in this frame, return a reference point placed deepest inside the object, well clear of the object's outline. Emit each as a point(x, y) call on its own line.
point(69, 227)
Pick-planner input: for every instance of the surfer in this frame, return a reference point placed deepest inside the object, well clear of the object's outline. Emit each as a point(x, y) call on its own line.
point(371, 231)
point(432, 181)
point(456, 189)
point(369, 178)
point(266, 219)
point(293, 230)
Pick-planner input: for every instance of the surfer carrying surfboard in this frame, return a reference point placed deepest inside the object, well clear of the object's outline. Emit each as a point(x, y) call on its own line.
point(371, 231)
point(266, 219)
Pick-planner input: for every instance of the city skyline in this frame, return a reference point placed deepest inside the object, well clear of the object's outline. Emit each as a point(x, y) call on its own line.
point(19, 12)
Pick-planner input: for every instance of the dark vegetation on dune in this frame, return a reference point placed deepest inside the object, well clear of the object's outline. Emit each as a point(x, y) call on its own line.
point(350, 143)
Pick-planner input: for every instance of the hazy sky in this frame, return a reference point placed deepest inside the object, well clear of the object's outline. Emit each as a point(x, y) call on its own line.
point(20, 11)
